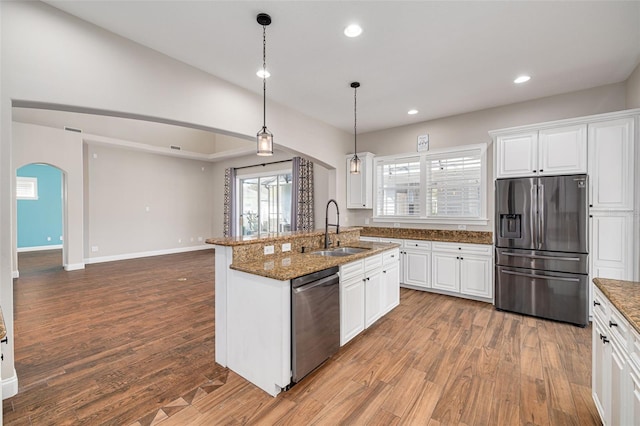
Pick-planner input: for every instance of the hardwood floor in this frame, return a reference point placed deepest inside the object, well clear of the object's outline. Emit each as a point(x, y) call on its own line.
point(127, 342)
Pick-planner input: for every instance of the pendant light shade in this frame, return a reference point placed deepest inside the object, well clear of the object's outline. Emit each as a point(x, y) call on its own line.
point(264, 136)
point(354, 164)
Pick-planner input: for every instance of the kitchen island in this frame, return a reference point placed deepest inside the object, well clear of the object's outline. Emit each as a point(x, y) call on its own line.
point(253, 297)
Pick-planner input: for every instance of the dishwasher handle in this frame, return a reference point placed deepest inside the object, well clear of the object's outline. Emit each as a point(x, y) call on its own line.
point(325, 282)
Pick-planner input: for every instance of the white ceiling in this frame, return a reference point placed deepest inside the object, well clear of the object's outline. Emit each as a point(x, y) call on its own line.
point(442, 58)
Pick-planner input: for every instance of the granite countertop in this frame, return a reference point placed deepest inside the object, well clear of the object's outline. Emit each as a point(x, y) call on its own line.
point(274, 237)
point(625, 296)
point(452, 236)
point(293, 265)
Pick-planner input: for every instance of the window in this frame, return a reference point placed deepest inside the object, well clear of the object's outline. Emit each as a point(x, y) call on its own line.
point(438, 187)
point(26, 188)
point(265, 203)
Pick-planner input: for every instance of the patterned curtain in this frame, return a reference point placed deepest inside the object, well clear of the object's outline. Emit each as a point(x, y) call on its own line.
point(302, 195)
point(229, 202)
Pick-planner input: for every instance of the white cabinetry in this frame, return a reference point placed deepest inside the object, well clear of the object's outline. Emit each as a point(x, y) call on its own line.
point(360, 186)
point(611, 159)
point(390, 280)
point(613, 385)
point(553, 151)
point(351, 300)
point(416, 263)
point(611, 245)
point(463, 268)
point(369, 289)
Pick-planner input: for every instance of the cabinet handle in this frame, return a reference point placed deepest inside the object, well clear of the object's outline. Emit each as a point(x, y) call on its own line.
point(367, 278)
point(591, 215)
point(612, 324)
point(393, 255)
point(459, 248)
point(416, 245)
point(541, 170)
point(590, 205)
point(384, 272)
point(462, 258)
point(604, 338)
point(534, 171)
point(457, 257)
point(596, 303)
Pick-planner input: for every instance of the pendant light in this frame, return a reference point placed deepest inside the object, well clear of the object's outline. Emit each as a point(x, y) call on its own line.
point(354, 164)
point(264, 137)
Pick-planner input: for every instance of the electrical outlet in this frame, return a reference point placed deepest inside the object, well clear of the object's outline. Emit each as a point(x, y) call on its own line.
point(462, 227)
point(147, 209)
point(94, 249)
point(268, 250)
point(199, 238)
point(48, 238)
point(61, 239)
point(179, 240)
point(396, 225)
point(286, 247)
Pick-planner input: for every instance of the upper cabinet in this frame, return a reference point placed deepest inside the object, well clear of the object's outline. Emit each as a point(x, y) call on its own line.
point(555, 151)
point(611, 159)
point(360, 186)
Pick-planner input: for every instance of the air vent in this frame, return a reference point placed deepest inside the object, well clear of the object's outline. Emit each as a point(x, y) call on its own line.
point(71, 129)
point(175, 147)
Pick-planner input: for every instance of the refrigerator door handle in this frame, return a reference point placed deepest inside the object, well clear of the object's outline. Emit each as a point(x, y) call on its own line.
point(533, 214)
point(531, 256)
point(540, 215)
point(544, 277)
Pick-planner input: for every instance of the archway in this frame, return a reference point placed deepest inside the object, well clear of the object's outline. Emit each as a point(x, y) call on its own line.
point(40, 206)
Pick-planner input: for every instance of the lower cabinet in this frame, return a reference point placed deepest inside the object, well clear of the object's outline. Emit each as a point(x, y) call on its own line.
point(416, 263)
point(462, 268)
point(615, 388)
point(369, 289)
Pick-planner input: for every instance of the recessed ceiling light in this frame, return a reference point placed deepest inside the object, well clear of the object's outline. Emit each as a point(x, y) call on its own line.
point(266, 74)
point(353, 30)
point(412, 111)
point(522, 79)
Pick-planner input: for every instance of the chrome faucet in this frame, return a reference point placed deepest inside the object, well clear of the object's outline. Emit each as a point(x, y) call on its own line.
point(327, 224)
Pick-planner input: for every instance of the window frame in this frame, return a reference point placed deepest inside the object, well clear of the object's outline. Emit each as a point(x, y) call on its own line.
point(33, 182)
point(423, 157)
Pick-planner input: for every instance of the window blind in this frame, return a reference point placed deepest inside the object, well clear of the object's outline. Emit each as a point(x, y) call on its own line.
point(398, 189)
point(454, 184)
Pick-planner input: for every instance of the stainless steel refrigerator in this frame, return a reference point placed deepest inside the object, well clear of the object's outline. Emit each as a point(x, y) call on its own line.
point(542, 247)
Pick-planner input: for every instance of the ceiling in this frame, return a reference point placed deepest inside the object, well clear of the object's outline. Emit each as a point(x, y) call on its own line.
point(441, 58)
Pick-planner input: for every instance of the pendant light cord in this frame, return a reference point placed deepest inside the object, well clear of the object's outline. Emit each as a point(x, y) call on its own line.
point(355, 121)
point(264, 76)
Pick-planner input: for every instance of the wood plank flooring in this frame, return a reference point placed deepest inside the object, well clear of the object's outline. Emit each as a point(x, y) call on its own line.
point(127, 343)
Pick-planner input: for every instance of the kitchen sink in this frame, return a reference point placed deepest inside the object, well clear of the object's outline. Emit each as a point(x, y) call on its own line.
point(340, 251)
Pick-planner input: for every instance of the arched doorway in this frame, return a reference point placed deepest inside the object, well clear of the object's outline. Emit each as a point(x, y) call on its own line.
point(39, 218)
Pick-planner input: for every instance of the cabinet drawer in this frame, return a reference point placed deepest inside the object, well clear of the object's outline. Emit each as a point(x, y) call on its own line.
point(600, 305)
point(370, 239)
point(391, 240)
point(390, 256)
point(372, 262)
point(417, 244)
point(480, 249)
point(619, 328)
point(350, 270)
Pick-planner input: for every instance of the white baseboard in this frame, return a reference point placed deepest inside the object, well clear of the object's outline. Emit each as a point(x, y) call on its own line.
point(145, 254)
point(74, 266)
point(15, 274)
point(10, 386)
point(39, 248)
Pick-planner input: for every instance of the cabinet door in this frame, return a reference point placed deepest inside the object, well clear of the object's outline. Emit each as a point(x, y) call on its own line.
point(475, 276)
point(611, 245)
point(446, 272)
point(351, 309)
point(601, 363)
point(621, 387)
point(635, 398)
point(517, 155)
point(611, 164)
point(390, 287)
point(417, 266)
point(563, 151)
point(372, 297)
point(360, 186)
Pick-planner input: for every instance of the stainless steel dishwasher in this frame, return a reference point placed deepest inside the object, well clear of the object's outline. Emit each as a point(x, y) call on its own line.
point(315, 320)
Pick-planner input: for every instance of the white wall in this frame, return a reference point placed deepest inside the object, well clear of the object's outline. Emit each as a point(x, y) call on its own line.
point(122, 184)
point(473, 127)
point(51, 57)
point(633, 89)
